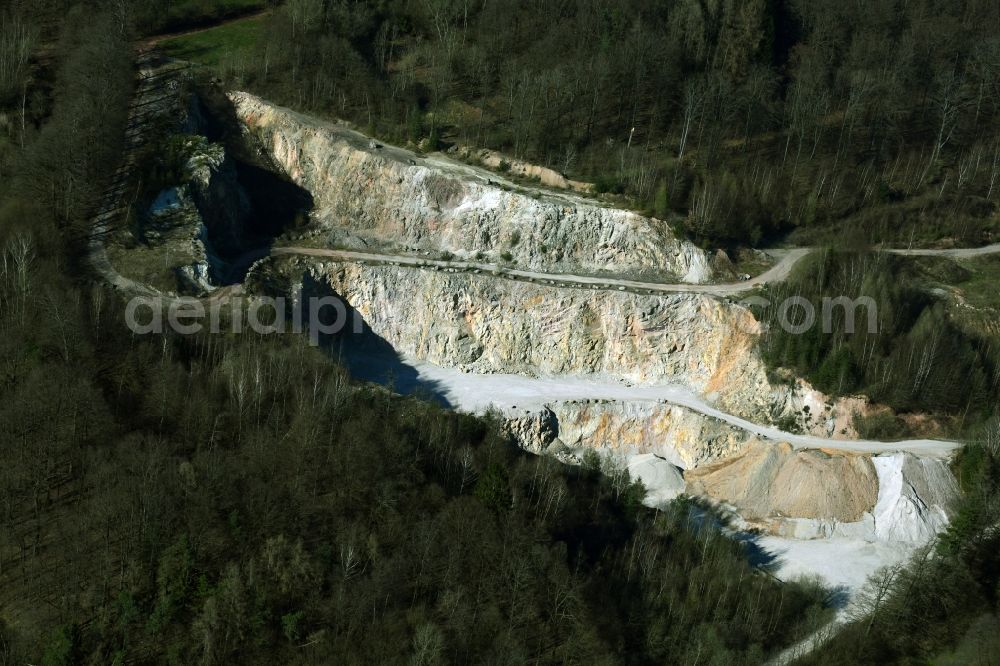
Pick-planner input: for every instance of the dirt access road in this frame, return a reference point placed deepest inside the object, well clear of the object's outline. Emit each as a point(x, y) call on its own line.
point(787, 259)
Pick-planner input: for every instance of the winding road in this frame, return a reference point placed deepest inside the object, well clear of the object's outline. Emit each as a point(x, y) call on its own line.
point(777, 273)
point(787, 259)
point(953, 253)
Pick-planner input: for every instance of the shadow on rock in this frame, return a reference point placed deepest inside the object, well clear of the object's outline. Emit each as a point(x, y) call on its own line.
point(365, 354)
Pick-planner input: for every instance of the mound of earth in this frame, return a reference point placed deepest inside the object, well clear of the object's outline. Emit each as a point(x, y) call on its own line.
point(773, 480)
point(663, 480)
point(915, 498)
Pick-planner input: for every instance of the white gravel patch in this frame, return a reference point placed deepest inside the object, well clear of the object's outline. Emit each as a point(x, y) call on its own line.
point(840, 563)
point(663, 481)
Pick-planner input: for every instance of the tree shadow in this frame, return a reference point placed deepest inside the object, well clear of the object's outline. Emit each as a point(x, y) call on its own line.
point(771, 560)
point(703, 514)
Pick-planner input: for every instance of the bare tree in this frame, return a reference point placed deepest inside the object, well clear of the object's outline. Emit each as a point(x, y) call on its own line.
point(991, 439)
point(948, 100)
point(18, 258)
point(443, 15)
point(874, 594)
point(305, 14)
point(17, 40)
point(694, 96)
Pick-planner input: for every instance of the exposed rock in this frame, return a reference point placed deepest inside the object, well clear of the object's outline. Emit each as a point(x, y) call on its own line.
point(222, 203)
point(388, 200)
point(816, 413)
point(722, 266)
point(501, 162)
point(174, 220)
point(207, 201)
point(535, 431)
point(682, 436)
point(487, 325)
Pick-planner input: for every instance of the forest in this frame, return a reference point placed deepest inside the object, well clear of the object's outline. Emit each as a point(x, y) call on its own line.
point(240, 500)
point(743, 122)
point(916, 357)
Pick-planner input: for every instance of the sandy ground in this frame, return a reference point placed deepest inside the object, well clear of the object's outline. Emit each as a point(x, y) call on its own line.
point(841, 563)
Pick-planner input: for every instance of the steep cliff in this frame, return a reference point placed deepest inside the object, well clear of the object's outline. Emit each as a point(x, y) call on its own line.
point(676, 434)
point(177, 241)
point(383, 197)
point(486, 325)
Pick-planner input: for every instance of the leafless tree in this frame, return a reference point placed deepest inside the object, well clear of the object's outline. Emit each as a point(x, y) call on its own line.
point(305, 14)
point(948, 99)
point(18, 258)
point(694, 96)
point(874, 594)
point(17, 40)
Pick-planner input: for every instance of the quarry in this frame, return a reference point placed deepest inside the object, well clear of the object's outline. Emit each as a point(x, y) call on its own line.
point(670, 386)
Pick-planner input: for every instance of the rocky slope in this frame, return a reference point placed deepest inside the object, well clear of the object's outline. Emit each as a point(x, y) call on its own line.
point(201, 208)
point(387, 198)
point(478, 323)
point(683, 437)
point(486, 325)
point(173, 245)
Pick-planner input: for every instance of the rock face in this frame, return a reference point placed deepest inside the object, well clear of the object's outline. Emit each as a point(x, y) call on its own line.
point(486, 325)
point(482, 324)
point(221, 200)
point(207, 203)
point(684, 438)
point(390, 199)
point(500, 162)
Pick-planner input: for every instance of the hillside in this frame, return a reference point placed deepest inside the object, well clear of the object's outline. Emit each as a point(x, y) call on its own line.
point(444, 331)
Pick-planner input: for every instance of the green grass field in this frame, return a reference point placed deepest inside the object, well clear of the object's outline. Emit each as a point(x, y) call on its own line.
point(192, 11)
point(211, 46)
